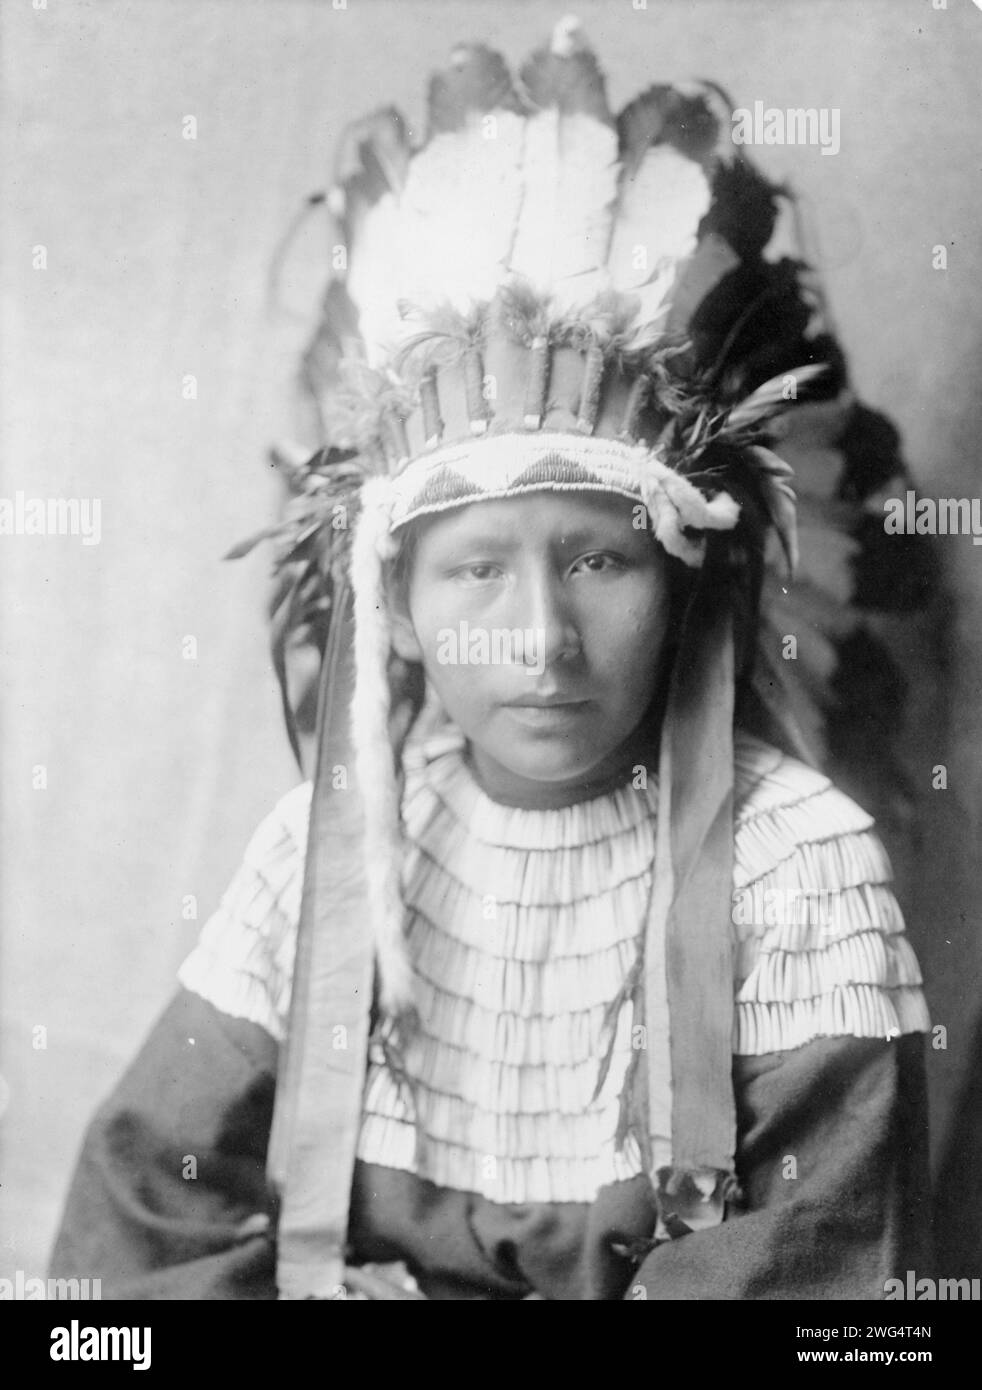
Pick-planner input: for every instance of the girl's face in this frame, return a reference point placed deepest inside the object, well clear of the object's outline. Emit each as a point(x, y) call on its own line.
point(540, 621)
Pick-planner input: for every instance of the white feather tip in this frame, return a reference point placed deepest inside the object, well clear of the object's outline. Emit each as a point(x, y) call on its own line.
point(568, 37)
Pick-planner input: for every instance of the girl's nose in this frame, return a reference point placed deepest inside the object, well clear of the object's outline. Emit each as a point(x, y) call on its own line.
point(550, 619)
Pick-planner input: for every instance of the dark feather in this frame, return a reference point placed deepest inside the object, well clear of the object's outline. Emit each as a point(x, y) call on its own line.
point(477, 80)
point(372, 157)
point(571, 81)
point(664, 115)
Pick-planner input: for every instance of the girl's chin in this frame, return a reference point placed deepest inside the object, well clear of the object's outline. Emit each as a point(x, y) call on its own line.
point(550, 776)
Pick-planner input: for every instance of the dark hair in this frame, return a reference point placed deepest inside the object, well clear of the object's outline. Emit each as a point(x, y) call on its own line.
point(731, 577)
point(401, 569)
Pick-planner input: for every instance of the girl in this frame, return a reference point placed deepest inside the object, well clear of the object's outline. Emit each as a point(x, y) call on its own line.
point(585, 988)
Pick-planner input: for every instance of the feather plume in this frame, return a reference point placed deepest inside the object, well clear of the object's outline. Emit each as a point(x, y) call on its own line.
point(608, 322)
point(569, 174)
point(664, 196)
point(775, 478)
point(769, 399)
point(370, 171)
point(356, 413)
point(524, 314)
point(473, 160)
point(442, 335)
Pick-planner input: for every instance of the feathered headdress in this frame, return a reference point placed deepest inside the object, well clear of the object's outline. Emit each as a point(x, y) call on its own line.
point(531, 302)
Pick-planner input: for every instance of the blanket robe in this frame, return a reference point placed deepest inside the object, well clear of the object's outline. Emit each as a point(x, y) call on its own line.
point(170, 1201)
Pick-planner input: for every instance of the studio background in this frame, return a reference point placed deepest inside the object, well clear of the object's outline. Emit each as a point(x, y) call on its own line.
point(158, 250)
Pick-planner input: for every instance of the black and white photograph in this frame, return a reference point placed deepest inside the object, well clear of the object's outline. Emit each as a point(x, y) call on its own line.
point(491, 697)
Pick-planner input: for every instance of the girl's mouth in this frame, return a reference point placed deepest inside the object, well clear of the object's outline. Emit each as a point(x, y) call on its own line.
point(547, 715)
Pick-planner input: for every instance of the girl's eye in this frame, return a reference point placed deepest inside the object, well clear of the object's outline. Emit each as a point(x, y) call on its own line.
point(479, 573)
point(600, 563)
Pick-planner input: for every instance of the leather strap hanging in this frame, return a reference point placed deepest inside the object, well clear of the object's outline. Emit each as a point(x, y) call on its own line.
point(317, 1112)
point(688, 952)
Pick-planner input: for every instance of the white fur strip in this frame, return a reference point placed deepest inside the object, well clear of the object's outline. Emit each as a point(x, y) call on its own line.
point(375, 765)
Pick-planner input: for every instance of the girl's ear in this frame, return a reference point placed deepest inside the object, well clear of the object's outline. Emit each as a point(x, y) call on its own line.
point(404, 640)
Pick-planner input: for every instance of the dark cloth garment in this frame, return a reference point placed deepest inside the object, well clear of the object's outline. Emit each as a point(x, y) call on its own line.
point(957, 1205)
point(832, 1159)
